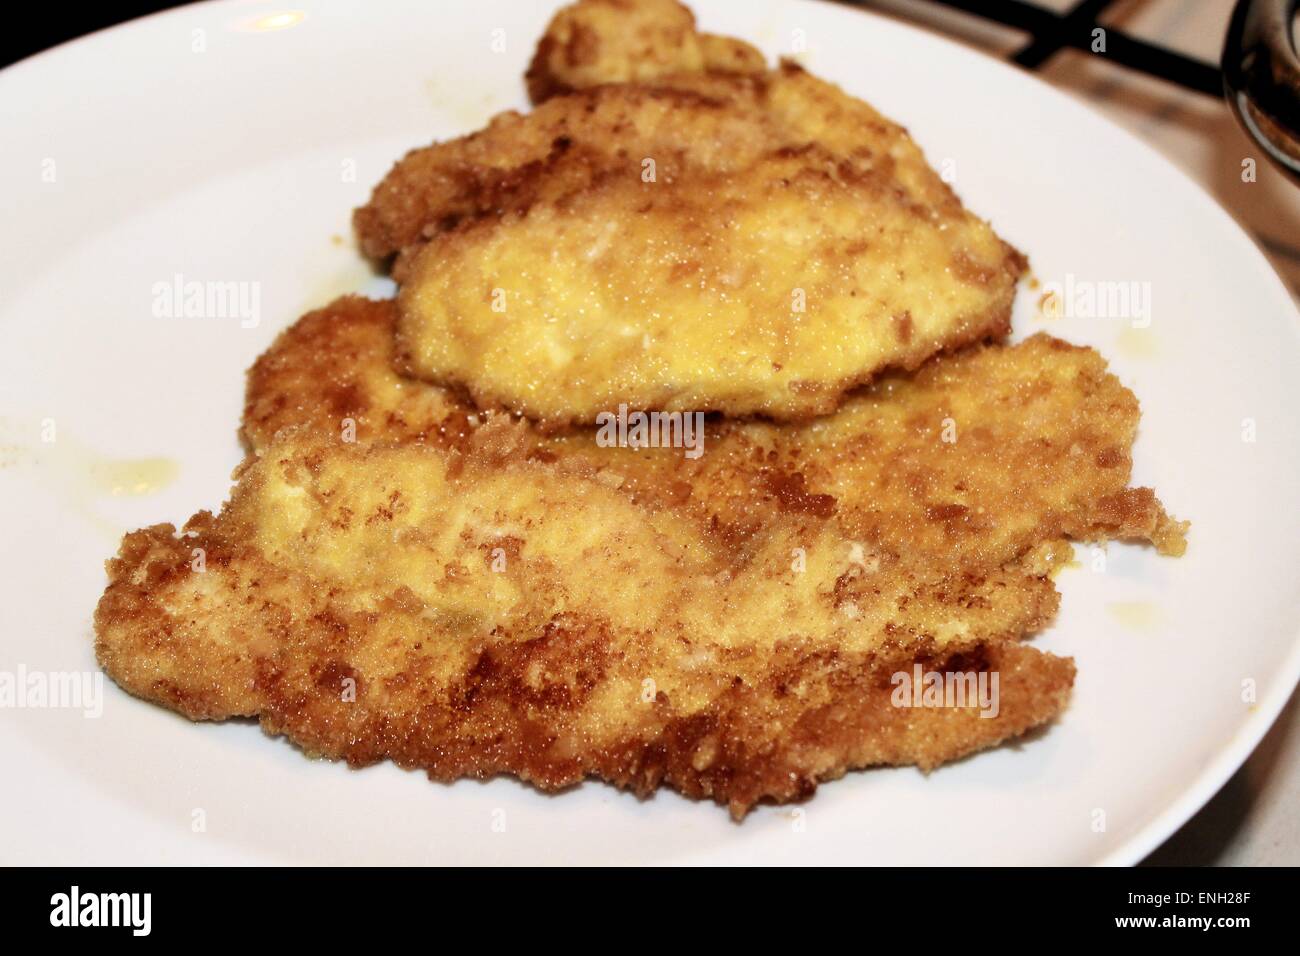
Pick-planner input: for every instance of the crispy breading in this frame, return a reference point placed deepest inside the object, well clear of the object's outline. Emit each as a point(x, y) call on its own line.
point(594, 42)
point(474, 599)
point(335, 366)
point(1039, 438)
point(438, 188)
point(405, 571)
point(749, 245)
point(350, 602)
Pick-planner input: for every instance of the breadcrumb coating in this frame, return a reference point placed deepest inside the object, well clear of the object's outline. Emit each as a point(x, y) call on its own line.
point(470, 597)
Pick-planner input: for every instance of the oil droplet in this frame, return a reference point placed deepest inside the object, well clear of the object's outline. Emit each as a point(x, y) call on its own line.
point(1050, 307)
point(1135, 615)
point(1136, 343)
point(466, 109)
point(82, 477)
point(131, 477)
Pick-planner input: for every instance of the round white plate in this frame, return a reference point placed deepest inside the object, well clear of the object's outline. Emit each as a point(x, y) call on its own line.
point(228, 143)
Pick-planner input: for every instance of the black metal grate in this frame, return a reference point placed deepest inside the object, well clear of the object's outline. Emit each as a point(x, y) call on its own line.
point(1053, 32)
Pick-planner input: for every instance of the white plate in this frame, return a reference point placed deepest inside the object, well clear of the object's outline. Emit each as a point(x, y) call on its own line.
point(192, 143)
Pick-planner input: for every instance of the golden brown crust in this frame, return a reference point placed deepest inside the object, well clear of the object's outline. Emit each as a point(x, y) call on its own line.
point(435, 189)
point(402, 575)
point(366, 568)
point(521, 703)
point(1067, 478)
point(334, 367)
point(675, 227)
point(747, 245)
point(595, 42)
point(725, 676)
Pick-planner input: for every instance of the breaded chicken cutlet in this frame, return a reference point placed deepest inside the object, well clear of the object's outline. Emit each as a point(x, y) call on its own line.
point(597, 42)
point(1040, 438)
point(468, 596)
point(742, 241)
point(462, 580)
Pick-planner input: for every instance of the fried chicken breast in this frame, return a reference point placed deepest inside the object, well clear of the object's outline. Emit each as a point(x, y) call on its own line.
point(471, 597)
point(1037, 435)
point(747, 242)
point(482, 613)
point(595, 42)
point(430, 556)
